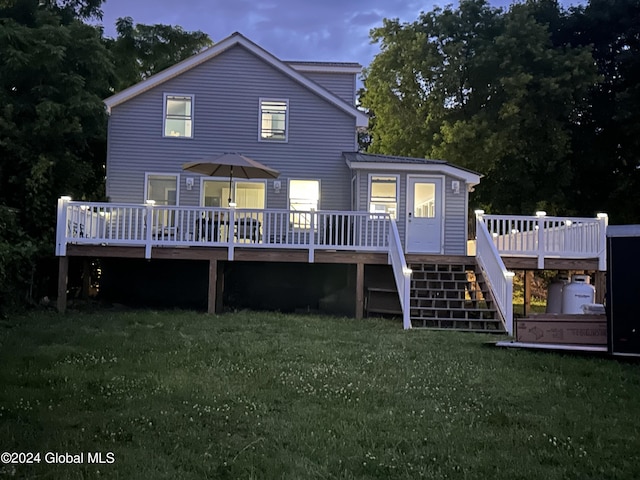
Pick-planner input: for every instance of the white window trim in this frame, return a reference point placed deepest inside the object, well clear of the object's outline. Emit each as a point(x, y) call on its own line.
point(382, 174)
point(162, 174)
point(164, 113)
point(286, 119)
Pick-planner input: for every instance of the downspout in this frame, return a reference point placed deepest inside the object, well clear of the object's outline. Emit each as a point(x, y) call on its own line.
point(355, 204)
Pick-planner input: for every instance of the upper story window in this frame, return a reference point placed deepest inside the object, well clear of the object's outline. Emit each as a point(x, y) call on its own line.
point(383, 196)
point(273, 120)
point(178, 116)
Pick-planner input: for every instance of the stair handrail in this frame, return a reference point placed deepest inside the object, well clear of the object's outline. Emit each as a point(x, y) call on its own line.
point(401, 273)
point(498, 278)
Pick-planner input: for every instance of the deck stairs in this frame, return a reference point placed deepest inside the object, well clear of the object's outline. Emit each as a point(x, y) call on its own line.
point(443, 296)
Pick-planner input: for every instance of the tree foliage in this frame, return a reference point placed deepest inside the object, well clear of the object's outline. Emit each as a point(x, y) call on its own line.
point(53, 76)
point(55, 71)
point(497, 91)
point(140, 50)
point(606, 137)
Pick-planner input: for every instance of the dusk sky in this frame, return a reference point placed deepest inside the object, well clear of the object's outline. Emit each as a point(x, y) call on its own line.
point(319, 30)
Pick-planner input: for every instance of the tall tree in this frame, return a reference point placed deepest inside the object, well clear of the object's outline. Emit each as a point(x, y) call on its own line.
point(140, 50)
point(54, 72)
point(485, 89)
point(606, 136)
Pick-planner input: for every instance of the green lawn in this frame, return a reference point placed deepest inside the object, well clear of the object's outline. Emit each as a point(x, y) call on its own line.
point(181, 395)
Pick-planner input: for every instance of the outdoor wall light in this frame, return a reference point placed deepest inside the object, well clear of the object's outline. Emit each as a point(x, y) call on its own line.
point(455, 186)
point(189, 182)
point(277, 185)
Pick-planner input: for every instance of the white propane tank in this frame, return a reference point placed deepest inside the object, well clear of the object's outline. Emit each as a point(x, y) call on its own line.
point(554, 293)
point(576, 294)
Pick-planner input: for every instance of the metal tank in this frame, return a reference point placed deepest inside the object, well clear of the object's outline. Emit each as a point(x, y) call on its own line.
point(554, 293)
point(576, 294)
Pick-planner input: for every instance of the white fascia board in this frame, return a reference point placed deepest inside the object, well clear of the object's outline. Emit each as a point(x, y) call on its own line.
point(417, 168)
point(362, 120)
point(325, 68)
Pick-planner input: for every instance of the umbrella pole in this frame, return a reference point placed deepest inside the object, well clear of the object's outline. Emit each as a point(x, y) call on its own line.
point(230, 178)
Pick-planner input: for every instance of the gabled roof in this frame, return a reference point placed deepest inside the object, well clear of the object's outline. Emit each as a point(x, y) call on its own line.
point(367, 161)
point(222, 46)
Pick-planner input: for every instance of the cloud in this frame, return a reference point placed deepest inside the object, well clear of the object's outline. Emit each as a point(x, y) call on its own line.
point(317, 30)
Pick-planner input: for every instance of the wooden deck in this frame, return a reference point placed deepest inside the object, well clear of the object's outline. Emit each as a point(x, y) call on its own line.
point(216, 255)
point(216, 235)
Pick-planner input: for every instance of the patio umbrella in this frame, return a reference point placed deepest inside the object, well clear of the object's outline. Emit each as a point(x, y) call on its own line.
point(231, 165)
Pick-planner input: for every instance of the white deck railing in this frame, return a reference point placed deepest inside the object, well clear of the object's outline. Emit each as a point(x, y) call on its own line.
point(549, 237)
point(162, 226)
point(401, 273)
point(498, 278)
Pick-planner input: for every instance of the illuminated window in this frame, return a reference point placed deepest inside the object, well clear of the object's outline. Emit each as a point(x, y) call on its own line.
point(304, 196)
point(424, 200)
point(245, 195)
point(178, 116)
point(383, 196)
point(273, 120)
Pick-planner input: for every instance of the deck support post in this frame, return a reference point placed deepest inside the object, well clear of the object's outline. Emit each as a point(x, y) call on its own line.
point(599, 283)
point(220, 288)
point(359, 291)
point(213, 286)
point(526, 304)
point(86, 278)
point(63, 273)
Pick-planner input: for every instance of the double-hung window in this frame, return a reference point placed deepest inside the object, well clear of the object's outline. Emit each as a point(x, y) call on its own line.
point(178, 116)
point(383, 194)
point(273, 120)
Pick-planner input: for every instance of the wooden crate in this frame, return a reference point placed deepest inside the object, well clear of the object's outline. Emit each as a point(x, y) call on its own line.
point(562, 329)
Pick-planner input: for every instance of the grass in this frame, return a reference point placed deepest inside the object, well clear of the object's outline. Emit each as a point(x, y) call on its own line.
point(270, 396)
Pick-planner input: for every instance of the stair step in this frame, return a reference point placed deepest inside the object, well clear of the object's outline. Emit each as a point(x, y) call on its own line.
point(451, 296)
point(464, 325)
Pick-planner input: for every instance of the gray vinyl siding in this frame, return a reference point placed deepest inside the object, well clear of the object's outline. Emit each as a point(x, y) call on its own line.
point(341, 84)
point(455, 209)
point(226, 92)
point(455, 218)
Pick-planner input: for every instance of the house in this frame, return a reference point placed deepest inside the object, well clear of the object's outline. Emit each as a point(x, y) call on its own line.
point(397, 226)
